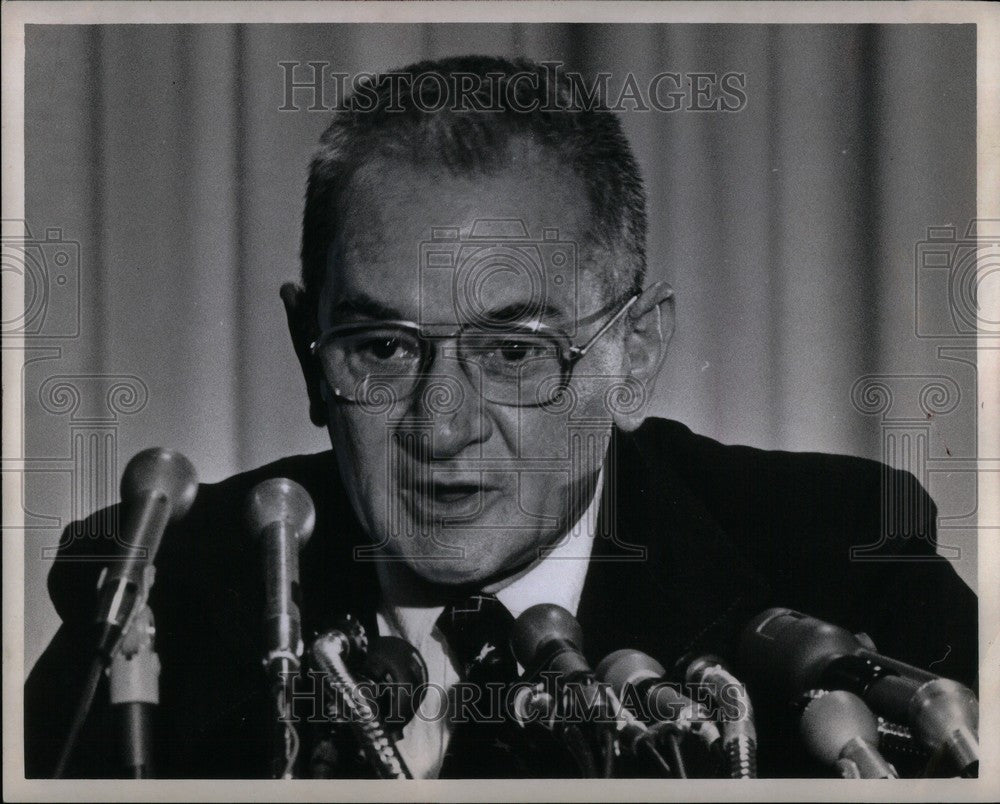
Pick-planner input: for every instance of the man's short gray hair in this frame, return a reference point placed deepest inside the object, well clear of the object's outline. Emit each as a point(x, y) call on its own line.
point(421, 114)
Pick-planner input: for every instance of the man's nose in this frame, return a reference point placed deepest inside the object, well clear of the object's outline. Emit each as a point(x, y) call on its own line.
point(448, 402)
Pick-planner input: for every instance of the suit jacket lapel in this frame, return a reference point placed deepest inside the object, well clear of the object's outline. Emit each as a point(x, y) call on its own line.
point(664, 577)
point(337, 581)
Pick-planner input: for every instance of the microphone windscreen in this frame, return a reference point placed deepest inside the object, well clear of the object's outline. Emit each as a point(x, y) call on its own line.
point(393, 660)
point(540, 624)
point(832, 720)
point(789, 650)
point(399, 670)
point(162, 472)
point(628, 667)
point(280, 500)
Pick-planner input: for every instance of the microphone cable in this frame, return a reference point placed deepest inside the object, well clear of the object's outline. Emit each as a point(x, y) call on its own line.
point(639, 739)
point(328, 652)
point(283, 713)
point(674, 747)
point(608, 752)
point(739, 734)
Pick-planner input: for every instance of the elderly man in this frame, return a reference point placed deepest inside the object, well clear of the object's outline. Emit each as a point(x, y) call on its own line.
point(477, 336)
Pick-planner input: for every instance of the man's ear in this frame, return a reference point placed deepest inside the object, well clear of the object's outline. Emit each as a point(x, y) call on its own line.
point(302, 330)
point(651, 323)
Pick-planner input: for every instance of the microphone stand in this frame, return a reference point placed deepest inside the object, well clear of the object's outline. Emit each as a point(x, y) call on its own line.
point(576, 698)
point(134, 688)
point(133, 669)
point(285, 738)
point(555, 704)
point(640, 741)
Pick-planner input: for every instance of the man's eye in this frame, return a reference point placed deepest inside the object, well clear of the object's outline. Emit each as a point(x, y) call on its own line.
point(518, 351)
point(511, 356)
point(386, 348)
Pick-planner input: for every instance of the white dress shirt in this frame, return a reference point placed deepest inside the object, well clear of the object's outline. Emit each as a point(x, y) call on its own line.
point(558, 578)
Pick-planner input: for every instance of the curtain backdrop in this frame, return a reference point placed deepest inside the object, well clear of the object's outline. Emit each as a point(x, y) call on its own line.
point(789, 230)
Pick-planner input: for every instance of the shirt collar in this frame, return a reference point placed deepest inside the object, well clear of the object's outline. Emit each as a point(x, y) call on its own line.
point(558, 578)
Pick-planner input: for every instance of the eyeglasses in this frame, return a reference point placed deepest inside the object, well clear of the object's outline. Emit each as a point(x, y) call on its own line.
point(526, 365)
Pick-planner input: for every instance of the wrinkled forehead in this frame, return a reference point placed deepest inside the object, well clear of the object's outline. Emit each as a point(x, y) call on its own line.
point(422, 244)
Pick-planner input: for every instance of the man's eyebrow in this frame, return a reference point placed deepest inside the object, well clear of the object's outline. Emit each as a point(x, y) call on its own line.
point(525, 312)
point(361, 304)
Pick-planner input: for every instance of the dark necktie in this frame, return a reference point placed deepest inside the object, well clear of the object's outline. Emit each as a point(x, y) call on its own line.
point(478, 633)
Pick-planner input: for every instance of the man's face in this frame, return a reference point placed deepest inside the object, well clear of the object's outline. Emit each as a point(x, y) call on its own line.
point(462, 489)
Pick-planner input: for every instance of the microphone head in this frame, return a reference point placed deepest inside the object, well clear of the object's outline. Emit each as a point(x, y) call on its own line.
point(694, 666)
point(163, 472)
point(625, 667)
point(540, 624)
point(399, 671)
point(831, 721)
point(789, 650)
point(279, 499)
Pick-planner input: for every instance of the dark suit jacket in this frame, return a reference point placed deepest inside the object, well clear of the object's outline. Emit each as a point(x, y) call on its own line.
point(695, 539)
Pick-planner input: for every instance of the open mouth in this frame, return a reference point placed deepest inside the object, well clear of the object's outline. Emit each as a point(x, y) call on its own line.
point(451, 496)
point(455, 492)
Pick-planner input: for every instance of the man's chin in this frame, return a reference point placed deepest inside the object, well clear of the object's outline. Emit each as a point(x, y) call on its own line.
point(462, 571)
point(449, 572)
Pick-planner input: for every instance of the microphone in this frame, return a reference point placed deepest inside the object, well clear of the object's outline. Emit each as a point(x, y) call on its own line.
point(796, 653)
point(547, 639)
point(839, 730)
point(399, 674)
point(329, 652)
point(158, 487)
point(281, 517)
point(739, 734)
point(659, 702)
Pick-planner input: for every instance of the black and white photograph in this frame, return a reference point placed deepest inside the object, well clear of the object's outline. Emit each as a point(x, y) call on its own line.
point(590, 392)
